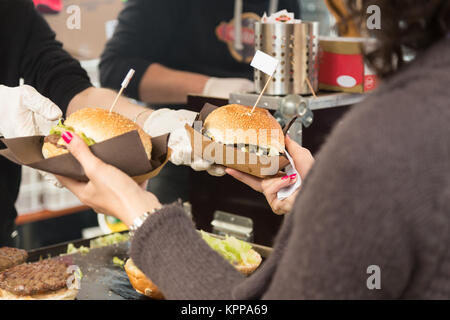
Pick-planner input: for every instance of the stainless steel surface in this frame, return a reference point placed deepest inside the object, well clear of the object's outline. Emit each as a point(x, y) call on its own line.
point(225, 223)
point(297, 47)
point(294, 105)
point(323, 100)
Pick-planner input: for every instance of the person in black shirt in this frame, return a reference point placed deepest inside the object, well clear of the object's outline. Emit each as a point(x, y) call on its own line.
point(29, 51)
point(179, 47)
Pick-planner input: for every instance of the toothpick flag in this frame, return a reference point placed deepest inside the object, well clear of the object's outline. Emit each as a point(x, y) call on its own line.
point(267, 64)
point(124, 84)
point(264, 62)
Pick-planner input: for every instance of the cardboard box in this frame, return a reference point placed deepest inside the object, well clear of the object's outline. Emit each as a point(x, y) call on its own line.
point(342, 66)
point(132, 158)
point(232, 157)
point(84, 26)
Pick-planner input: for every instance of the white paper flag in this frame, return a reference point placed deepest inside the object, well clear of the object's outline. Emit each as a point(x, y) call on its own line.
point(127, 79)
point(264, 62)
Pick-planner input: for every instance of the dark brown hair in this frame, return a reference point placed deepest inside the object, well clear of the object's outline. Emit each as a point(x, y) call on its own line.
point(406, 25)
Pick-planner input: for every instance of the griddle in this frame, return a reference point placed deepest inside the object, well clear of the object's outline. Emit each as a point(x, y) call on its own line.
point(103, 280)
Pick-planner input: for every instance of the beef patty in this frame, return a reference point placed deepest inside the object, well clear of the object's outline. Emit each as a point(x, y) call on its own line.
point(10, 257)
point(53, 139)
point(35, 278)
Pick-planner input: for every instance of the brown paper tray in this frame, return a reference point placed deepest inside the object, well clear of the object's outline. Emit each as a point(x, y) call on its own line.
point(231, 157)
point(124, 152)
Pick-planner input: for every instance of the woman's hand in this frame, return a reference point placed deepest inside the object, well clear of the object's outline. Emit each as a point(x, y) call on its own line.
point(303, 161)
point(109, 190)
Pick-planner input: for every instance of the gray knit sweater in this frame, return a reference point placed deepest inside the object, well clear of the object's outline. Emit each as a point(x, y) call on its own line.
point(378, 196)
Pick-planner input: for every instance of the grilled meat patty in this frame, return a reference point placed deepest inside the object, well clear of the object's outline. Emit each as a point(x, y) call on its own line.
point(35, 278)
point(10, 257)
point(53, 139)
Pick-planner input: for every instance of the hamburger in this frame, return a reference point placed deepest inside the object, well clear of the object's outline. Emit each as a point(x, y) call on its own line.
point(255, 132)
point(239, 253)
point(43, 280)
point(93, 125)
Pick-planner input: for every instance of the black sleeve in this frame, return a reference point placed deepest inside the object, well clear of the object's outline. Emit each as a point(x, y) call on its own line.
point(291, 6)
point(142, 37)
point(46, 66)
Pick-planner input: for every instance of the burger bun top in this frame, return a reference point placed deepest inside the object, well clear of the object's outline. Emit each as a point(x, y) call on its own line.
point(236, 124)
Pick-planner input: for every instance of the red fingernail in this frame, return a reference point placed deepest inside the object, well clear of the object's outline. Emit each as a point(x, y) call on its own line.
point(293, 176)
point(285, 177)
point(67, 136)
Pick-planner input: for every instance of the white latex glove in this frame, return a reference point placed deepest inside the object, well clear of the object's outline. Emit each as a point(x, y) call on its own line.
point(222, 87)
point(25, 112)
point(164, 121)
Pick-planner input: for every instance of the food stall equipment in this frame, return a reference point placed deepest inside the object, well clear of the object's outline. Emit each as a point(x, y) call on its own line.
point(316, 117)
point(296, 46)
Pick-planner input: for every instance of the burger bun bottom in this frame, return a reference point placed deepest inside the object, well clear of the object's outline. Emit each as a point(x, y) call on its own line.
point(140, 282)
point(49, 150)
point(62, 294)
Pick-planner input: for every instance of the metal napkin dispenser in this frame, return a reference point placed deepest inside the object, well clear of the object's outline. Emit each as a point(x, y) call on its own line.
point(296, 45)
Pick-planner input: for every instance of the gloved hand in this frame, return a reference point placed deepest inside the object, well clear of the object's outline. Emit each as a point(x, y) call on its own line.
point(164, 121)
point(222, 87)
point(25, 112)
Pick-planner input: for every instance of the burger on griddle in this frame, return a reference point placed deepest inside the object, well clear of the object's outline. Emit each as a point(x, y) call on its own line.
point(93, 125)
point(43, 280)
point(10, 257)
point(255, 132)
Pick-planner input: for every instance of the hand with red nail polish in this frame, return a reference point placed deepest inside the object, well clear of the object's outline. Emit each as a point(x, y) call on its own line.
point(67, 136)
point(109, 190)
point(270, 186)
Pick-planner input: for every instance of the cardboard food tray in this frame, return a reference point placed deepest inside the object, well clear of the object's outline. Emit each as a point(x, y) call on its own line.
point(124, 152)
point(232, 157)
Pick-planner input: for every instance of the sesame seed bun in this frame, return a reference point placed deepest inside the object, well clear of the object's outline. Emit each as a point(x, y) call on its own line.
point(248, 269)
point(50, 150)
point(99, 125)
point(140, 282)
point(235, 124)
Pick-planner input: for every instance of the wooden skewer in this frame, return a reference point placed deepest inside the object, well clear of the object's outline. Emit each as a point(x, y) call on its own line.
point(310, 87)
point(115, 100)
point(260, 95)
point(124, 84)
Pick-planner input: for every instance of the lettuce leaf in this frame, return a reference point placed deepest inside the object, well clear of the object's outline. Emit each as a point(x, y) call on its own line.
point(60, 128)
point(235, 251)
point(109, 239)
